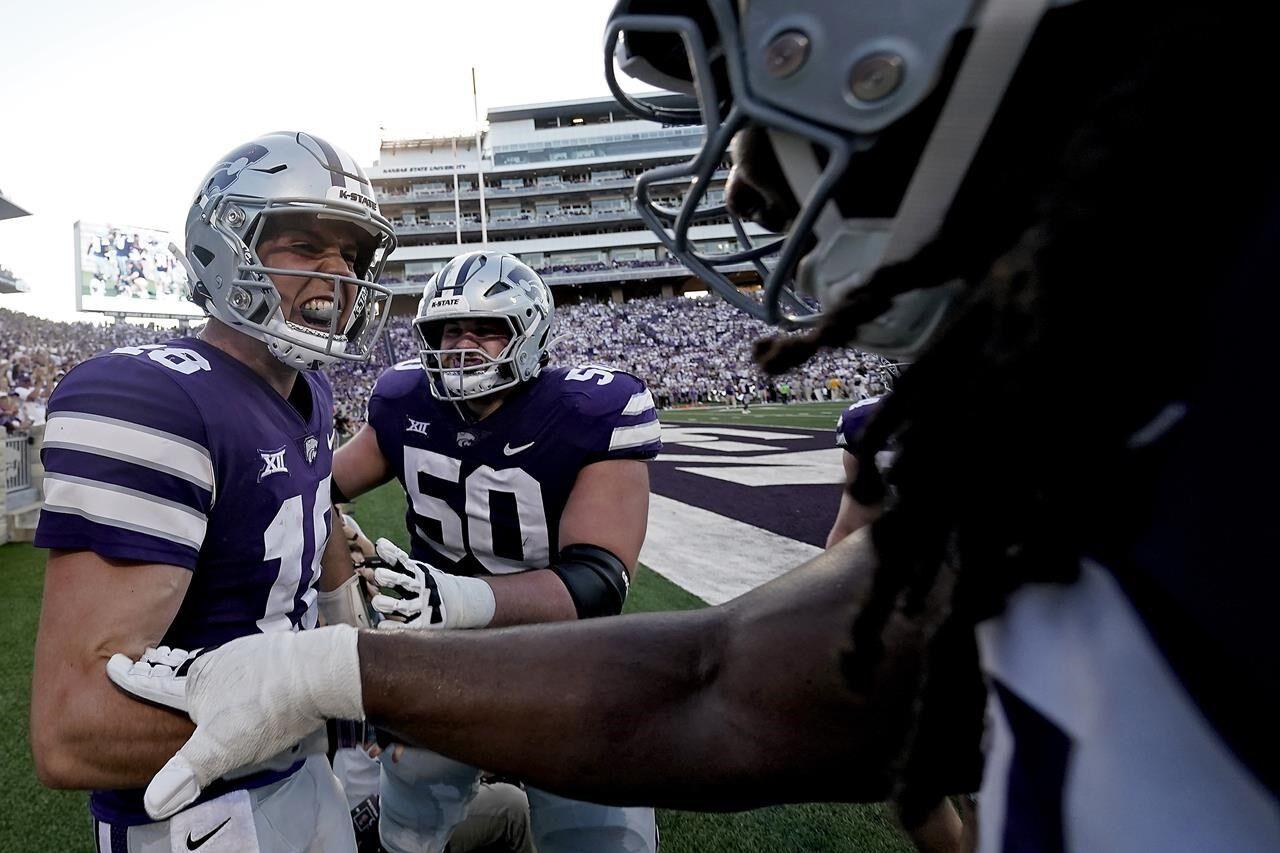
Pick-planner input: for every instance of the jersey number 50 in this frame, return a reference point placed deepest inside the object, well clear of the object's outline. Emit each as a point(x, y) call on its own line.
point(478, 487)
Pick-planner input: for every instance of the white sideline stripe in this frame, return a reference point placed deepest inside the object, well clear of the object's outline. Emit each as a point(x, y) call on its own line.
point(124, 508)
point(638, 403)
point(634, 436)
point(713, 556)
point(122, 440)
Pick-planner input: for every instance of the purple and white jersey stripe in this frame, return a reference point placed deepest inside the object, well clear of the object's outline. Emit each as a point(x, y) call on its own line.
point(853, 419)
point(486, 497)
point(179, 454)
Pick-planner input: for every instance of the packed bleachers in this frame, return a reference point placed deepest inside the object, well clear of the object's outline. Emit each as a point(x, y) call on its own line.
point(35, 353)
point(689, 351)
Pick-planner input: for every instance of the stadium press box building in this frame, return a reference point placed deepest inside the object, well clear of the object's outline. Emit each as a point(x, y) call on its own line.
point(553, 184)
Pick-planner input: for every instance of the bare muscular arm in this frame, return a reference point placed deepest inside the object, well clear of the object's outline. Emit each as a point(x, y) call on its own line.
point(608, 507)
point(85, 733)
point(727, 707)
point(359, 465)
point(852, 515)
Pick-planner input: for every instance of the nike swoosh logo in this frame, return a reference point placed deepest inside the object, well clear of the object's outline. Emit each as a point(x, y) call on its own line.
point(512, 451)
point(192, 843)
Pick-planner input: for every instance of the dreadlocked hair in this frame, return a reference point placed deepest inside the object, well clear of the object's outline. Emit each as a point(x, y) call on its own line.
point(1071, 234)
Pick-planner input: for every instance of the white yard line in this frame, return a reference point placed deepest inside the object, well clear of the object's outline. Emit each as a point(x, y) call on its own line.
point(713, 556)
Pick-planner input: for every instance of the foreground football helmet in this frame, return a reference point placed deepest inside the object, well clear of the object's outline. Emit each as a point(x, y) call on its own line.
point(277, 174)
point(476, 285)
point(873, 110)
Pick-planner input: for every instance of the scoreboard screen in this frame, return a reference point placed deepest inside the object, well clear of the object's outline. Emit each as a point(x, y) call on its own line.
point(123, 269)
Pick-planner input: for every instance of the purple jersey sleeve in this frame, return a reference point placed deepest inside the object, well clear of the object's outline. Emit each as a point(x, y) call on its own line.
point(383, 413)
point(128, 472)
point(616, 418)
point(853, 419)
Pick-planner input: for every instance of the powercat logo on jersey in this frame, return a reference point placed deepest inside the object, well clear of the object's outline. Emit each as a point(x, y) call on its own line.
point(272, 463)
point(309, 449)
point(352, 197)
point(466, 439)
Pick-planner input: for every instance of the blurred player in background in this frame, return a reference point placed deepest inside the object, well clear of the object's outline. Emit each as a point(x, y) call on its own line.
point(527, 500)
point(187, 494)
point(853, 514)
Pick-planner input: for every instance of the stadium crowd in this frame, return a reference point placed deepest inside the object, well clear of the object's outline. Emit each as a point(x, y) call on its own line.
point(35, 353)
point(688, 351)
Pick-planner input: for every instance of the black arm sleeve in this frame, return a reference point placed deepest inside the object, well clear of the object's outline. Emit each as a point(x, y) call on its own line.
point(596, 579)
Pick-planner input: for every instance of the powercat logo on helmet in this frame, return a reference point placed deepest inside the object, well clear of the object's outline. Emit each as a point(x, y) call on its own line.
point(352, 197)
point(226, 172)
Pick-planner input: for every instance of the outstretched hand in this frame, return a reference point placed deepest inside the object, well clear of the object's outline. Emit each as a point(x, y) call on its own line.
point(251, 699)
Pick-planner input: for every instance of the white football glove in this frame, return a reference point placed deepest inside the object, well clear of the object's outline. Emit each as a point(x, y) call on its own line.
point(159, 676)
point(250, 699)
point(416, 595)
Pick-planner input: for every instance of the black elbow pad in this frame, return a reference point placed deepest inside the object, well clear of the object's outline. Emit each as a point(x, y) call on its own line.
point(596, 579)
point(335, 494)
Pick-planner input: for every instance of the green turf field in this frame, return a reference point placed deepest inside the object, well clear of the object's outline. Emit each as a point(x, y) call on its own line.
point(37, 820)
point(820, 416)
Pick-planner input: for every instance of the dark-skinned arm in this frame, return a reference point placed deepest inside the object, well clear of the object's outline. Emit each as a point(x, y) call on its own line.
point(728, 707)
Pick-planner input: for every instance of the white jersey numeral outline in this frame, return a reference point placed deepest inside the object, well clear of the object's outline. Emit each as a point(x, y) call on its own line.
point(283, 540)
point(478, 489)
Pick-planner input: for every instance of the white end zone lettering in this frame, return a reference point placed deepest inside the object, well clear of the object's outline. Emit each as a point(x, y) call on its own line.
point(351, 197)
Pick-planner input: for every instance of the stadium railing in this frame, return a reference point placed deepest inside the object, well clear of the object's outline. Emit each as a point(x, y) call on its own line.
point(21, 491)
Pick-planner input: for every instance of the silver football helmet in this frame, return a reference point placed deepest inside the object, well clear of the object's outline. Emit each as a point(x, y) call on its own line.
point(838, 87)
point(274, 175)
point(484, 285)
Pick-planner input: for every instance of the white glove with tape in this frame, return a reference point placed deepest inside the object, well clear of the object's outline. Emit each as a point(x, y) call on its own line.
point(416, 595)
point(250, 699)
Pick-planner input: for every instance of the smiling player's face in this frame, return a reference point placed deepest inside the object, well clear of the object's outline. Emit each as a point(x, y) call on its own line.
point(487, 334)
point(305, 242)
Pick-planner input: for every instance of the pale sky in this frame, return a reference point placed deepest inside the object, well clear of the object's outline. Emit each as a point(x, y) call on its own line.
point(112, 112)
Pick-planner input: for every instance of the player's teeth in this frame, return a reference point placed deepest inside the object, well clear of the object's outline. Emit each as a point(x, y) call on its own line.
point(318, 310)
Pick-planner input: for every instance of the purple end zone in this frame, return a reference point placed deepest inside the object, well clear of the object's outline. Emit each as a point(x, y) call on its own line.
point(803, 512)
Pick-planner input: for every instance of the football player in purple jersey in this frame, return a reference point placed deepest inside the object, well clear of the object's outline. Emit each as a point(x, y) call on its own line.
point(941, 830)
point(526, 500)
point(187, 494)
point(853, 514)
point(1066, 605)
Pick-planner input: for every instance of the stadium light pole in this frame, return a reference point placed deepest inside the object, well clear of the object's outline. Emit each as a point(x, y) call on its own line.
point(475, 112)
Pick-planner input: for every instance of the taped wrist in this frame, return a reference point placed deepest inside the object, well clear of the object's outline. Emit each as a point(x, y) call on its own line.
point(344, 605)
point(596, 579)
point(468, 602)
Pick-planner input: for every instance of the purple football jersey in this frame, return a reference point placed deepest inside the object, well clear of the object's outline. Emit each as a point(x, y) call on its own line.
point(178, 453)
point(486, 497)
point(853, 419)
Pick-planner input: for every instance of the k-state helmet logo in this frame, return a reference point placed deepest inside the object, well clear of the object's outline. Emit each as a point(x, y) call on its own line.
point(237, 161)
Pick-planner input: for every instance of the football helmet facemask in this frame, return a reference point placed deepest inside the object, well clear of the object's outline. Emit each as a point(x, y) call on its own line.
point(484, 285)
point(286, 174)
point(873, 110)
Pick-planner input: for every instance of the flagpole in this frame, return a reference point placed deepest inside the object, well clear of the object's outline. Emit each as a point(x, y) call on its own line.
point(457, 201)
point(475, 111)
